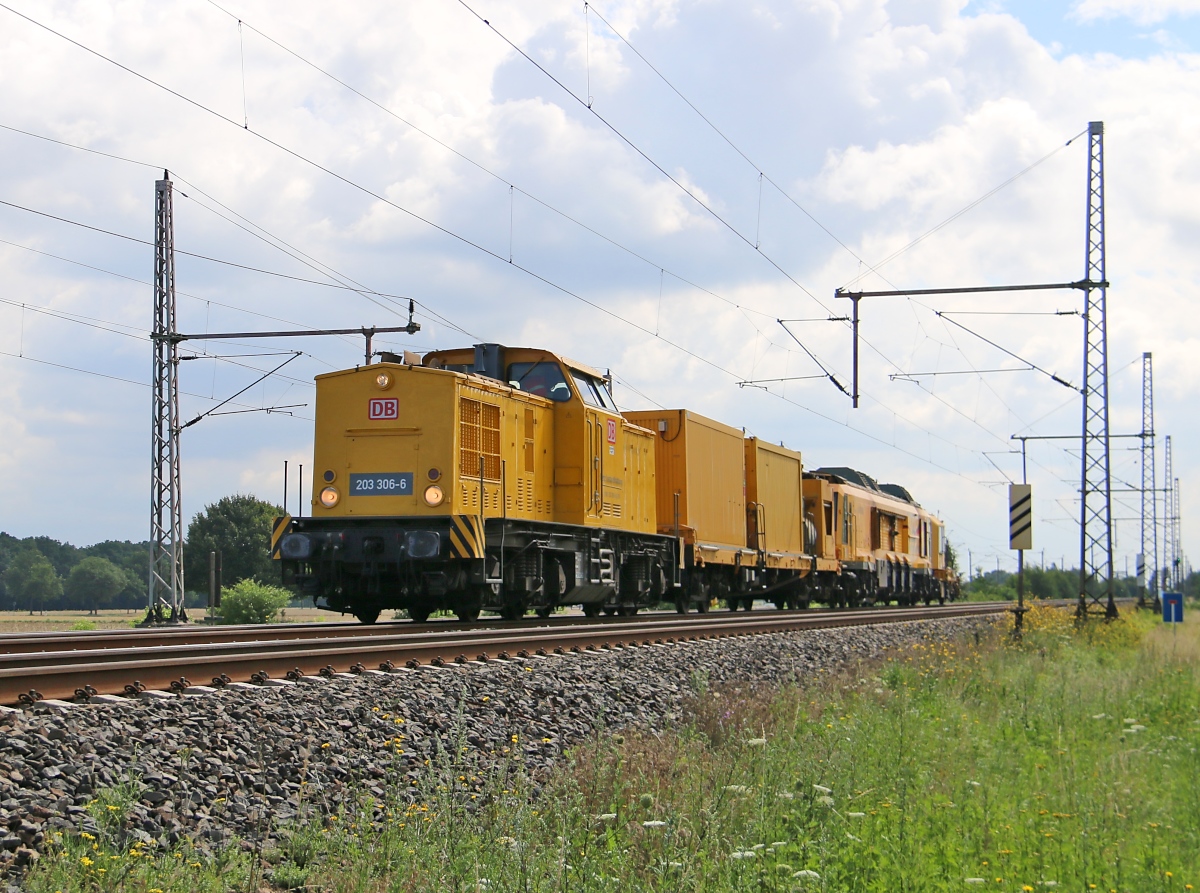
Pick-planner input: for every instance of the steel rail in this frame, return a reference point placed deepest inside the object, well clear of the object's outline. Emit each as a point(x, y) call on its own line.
point(87, 640)
point(60, 674)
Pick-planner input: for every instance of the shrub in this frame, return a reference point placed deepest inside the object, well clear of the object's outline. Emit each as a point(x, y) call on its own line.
point(251, 602)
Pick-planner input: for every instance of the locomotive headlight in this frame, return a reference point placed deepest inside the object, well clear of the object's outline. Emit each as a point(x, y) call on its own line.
point(330, 497)
point(296, 546)
point(434, 495)
point(383, 381)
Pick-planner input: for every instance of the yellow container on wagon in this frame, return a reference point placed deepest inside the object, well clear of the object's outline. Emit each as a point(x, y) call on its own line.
point(774, 477)
point(699, 467)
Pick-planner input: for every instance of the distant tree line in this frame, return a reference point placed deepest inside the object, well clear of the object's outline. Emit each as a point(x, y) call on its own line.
point(1052, 583)
point(39, 573)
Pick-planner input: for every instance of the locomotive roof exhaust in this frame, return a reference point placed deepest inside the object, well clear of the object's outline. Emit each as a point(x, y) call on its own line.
point(489, 360)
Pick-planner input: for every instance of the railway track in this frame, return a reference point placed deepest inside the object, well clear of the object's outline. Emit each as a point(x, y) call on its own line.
point(56, 666)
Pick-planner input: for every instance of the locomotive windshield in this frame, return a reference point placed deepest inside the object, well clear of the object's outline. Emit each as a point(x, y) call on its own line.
point(543, 379)
point(593, 392)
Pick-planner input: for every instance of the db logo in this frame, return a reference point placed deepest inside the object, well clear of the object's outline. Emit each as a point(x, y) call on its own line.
point(612, 430)
point(384, 409)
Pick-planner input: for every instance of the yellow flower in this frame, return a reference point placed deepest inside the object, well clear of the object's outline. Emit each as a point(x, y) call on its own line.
point(325, 746)
point(86, 862)
point(1027, 888)
point(545, 741)
point(514, 739)
point(111, 808)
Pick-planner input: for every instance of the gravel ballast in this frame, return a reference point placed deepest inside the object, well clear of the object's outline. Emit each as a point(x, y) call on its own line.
point(238, 763)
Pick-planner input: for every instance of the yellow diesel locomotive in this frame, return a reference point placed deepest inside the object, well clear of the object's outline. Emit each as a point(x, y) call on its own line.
point(506, 479)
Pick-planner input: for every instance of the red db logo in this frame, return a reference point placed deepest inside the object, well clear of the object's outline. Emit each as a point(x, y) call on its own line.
point(612, 430)
point(384, 409)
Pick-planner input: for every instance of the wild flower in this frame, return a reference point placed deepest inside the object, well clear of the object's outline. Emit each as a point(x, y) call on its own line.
point(822, 789)
point(974, 880)
point(646, 801)
point(856, 815)
point(807, 873)
point(743, 854)
point(826, 801)
point(606, 817)
point(654, 824)
point(757, 742)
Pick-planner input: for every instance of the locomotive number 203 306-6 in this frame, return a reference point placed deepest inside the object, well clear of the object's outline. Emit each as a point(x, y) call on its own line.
point(387, 484)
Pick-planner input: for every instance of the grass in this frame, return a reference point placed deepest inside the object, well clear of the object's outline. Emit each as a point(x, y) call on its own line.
point(1067, 761)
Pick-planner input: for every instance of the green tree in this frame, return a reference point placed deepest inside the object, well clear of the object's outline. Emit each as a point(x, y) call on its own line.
point(239, 527)
point(93, 583)
point(251, 602)
point(31, 581)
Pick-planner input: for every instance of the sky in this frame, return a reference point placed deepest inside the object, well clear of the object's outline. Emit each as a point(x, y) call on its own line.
point(648, 186)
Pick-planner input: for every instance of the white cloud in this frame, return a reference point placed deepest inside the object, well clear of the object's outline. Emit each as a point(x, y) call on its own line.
point(1143, 12)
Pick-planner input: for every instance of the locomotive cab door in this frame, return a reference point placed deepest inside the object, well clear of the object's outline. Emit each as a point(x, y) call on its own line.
point(595, 476)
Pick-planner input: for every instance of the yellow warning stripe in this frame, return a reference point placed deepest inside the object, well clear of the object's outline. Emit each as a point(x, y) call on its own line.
point(466, 536)
point(279, 527)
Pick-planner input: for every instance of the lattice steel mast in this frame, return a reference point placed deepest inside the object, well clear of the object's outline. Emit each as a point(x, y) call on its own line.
point(1177, 570)
point(1168, 571)
point(1095, 540)
point(165, 595)
point(1148, 575)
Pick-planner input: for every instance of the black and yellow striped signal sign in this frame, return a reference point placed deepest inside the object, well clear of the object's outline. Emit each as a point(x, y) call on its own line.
point(466, 536)
point(1020, 516)
point(279, 526)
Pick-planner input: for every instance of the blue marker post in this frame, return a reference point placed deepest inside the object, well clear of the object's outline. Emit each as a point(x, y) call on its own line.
point(1172, 607)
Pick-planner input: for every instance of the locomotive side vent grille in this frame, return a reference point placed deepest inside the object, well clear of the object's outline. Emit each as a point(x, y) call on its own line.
point(479, 437)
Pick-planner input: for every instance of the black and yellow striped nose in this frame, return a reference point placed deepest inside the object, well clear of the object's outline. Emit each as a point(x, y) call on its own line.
point(466, 536)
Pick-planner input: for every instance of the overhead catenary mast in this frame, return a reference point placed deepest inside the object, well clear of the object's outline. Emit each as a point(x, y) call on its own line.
point(1147, 570)
point(1095, 481)
point(165, 590)
point(1168, 571)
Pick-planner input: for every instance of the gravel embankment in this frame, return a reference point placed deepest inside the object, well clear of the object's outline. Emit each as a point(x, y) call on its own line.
point(238, 763)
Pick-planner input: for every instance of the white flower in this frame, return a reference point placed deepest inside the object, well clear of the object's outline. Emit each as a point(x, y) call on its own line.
point(758, 846)
point(757, 742)
point(807, 872)
point(974, 880)
point(1130, 721)
point(1137, 728)
point(822, 789)
point(825, 800)
point(779, 843)
point(654, 824)
point(736, 788)
point(483, 883)
point(1129, 731)
point(606, 817)
point(786, 795)
point(1100, 716)
point(974, 784)
point(507, 841)
point(743, 855)
point(856, 815)
point(674, 865)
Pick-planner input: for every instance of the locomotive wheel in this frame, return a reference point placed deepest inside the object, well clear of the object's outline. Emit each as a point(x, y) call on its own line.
point(512, 611)
point(703, 605)
point(367, 615)
point(544, 611)
point(418, 613)
point(681, 605)
point(609, 610)
point(627, 610)
point(732, 603)
point(467, 614)
point(591, 610)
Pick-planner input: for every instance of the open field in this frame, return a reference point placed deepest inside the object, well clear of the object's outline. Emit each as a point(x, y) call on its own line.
point(53, 621)
point(1068, 761)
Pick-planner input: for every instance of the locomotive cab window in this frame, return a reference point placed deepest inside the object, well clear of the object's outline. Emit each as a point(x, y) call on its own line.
point(593, 392)
point(543, 379)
